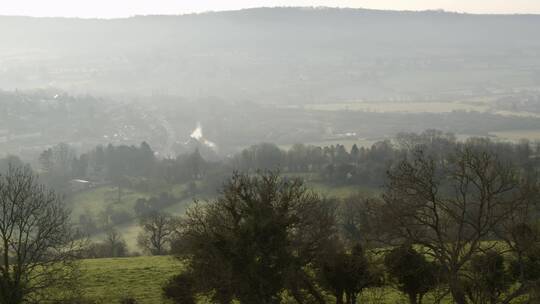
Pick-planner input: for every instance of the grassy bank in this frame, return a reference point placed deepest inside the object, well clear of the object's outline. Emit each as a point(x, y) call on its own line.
point(109, 280)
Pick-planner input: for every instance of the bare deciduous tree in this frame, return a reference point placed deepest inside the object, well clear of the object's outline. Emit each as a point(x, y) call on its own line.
point(37, 244)
point(157, 230)
point(454, 209)
point(115, 244)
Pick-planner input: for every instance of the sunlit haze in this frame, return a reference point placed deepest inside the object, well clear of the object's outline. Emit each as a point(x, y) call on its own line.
point(269, 151)
point(126, 8)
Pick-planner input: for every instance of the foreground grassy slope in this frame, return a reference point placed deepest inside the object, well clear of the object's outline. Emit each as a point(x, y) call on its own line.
point(109, 280)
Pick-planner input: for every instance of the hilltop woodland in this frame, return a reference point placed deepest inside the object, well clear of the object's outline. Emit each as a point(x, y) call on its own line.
point(449, 222)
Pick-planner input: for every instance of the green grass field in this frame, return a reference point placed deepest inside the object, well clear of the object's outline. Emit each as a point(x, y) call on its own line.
point(98, 200)
point(517, 135)
point(404, 107)
point(109, 280)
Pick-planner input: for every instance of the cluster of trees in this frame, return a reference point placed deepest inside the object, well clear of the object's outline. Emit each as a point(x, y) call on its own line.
point(462, 227)
point(113, 246)
point(474, 214)
point(269, 239)
point(334, 164)
point(158, 230)
point(139, 168)
point(123, 166)
point(367, 165)
point(147, 206)
point(60, 163)
point(260, 239)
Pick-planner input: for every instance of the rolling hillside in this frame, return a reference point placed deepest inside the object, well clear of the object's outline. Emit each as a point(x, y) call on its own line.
point(275, 55)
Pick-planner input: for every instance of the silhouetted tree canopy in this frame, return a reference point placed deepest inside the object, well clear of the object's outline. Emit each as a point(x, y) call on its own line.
point(256, 239)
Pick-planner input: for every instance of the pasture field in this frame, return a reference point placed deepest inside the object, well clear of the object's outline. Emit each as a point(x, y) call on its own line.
point(480, 104)
point(107, 281)
point(95, 202)
point(99, 198)
point(516, 135)
point(403, 107)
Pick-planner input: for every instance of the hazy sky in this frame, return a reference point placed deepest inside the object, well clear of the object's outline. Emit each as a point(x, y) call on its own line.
point(125, 8)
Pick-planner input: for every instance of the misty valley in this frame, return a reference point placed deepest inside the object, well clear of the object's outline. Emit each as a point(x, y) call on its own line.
point(270, 155)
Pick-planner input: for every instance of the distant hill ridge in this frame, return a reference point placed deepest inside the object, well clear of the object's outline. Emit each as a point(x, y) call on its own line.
point(265, 52)
point(356, 28)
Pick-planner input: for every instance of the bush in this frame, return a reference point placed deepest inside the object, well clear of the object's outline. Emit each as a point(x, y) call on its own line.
point(113, 246)
point(180, 289)
point(412, 274)
point(145, 207)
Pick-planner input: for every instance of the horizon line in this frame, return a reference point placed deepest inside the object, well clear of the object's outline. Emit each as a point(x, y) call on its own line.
point(195, 13)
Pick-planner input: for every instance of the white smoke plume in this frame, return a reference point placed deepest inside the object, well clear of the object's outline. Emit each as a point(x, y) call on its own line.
point(198, 135)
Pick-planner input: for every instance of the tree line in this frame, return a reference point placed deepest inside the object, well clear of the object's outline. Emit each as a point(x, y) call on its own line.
point(138, 167)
